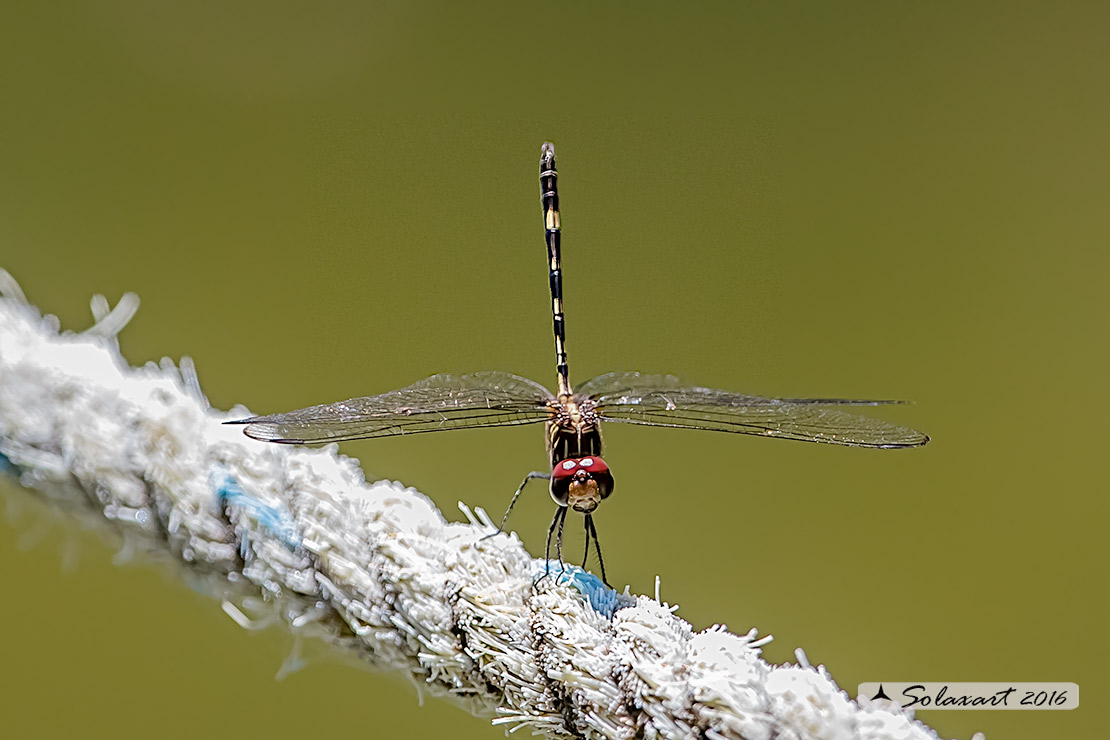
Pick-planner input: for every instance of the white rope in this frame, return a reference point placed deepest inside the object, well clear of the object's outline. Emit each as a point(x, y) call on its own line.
point(296, 536)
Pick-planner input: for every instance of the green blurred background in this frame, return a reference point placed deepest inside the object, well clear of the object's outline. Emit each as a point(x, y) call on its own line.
point(323, 201)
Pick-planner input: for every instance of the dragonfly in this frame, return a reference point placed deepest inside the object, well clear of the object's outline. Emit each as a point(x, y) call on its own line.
point(580, 479)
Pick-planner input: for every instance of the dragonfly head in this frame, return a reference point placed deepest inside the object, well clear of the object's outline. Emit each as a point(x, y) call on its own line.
point(581, 483)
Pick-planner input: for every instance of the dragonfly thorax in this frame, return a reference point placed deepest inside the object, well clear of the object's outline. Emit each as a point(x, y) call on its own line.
point(581, 483)
point(572, 429)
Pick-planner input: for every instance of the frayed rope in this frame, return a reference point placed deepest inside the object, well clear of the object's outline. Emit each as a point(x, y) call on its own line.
point(297, 537)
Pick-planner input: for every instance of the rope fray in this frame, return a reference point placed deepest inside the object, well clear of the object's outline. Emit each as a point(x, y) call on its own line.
point(297, 537)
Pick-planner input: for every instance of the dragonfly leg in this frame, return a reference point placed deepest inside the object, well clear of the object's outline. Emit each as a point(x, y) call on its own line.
point(559, 541)
point(586, 554)
point(560, 514)
point(531, 476)
point(590, 528)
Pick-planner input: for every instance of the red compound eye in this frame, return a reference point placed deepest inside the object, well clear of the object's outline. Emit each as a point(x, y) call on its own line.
point(567, 468)
point(593, 465)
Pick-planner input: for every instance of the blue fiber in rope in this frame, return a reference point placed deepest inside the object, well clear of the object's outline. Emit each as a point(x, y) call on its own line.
point(7, 466)
point(604, 600)
point(278, 521)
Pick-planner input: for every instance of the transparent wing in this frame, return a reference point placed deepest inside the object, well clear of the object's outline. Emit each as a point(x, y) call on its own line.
point(662, 400)
point(438, 403)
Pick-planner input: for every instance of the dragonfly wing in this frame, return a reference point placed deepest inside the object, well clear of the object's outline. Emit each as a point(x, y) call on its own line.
point(438, 403)
point(662, 400)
